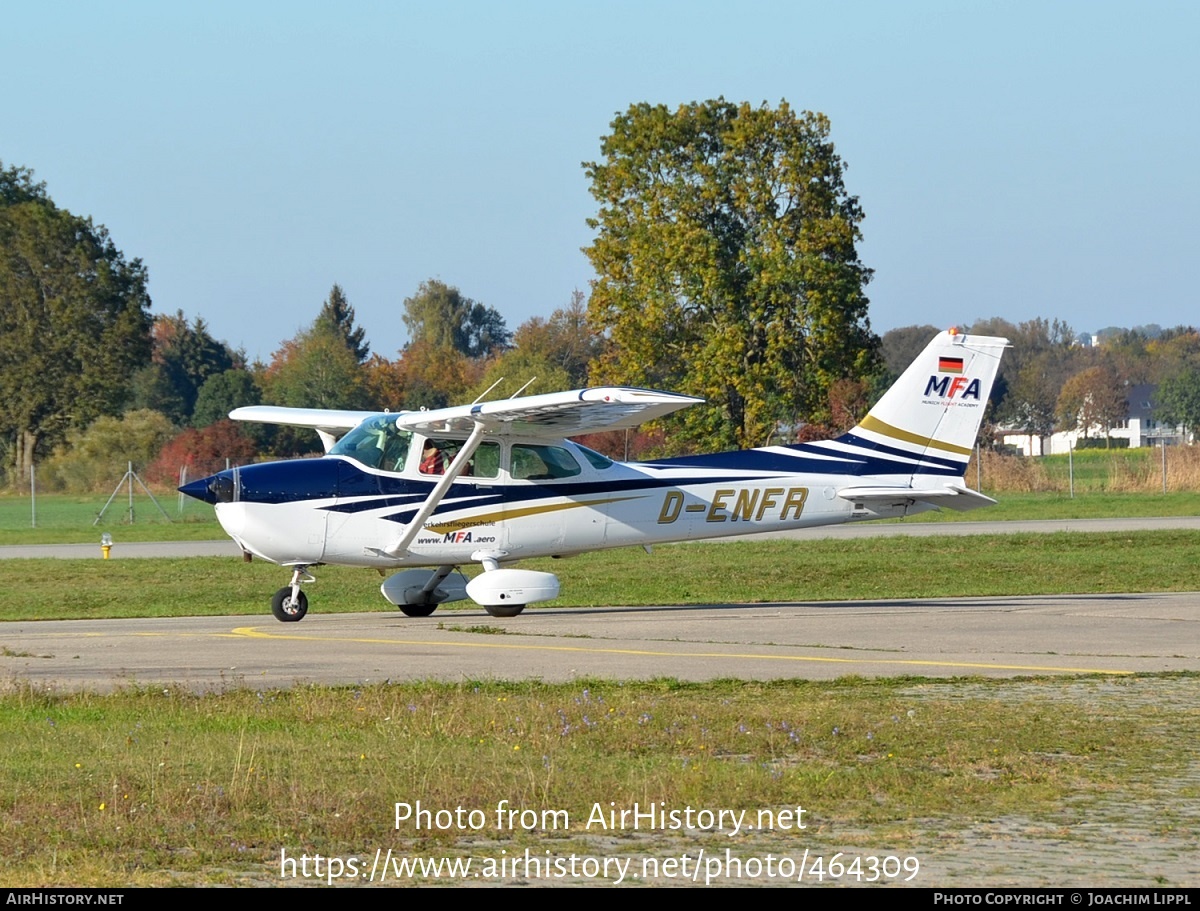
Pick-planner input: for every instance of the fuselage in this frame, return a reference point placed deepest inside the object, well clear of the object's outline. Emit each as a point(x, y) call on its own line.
point(534, 498)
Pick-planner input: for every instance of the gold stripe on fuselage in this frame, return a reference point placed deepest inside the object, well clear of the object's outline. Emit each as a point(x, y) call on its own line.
point(454, 525)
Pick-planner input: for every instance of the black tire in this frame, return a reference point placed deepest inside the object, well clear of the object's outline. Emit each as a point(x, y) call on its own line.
point(417, 610)
point(285, 609)
point(504, 610)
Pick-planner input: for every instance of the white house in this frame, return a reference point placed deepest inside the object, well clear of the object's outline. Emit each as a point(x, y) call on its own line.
point(1139, 427)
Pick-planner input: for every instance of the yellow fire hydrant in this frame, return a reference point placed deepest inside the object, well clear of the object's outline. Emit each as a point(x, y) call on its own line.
point(105, 544)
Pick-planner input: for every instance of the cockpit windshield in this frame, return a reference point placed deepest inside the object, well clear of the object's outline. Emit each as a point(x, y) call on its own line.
point(377, 443)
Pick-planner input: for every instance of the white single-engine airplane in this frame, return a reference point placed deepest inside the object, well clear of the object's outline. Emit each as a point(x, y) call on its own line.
point(496, 482)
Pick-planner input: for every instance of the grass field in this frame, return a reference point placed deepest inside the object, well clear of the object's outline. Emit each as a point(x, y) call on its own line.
point(159, 787)
point(71, 519)
point(999, 782)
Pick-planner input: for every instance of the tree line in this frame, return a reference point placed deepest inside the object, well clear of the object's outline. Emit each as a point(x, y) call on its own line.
point(726, 266)
point(1054, 378)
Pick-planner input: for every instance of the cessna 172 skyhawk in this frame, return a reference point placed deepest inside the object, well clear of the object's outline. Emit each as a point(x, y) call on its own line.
point(496, 482)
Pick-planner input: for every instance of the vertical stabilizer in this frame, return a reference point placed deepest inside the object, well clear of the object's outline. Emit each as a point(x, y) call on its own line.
point(933, 412)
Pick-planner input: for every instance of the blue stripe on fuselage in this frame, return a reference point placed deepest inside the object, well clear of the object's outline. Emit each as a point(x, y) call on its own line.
point(871, 459)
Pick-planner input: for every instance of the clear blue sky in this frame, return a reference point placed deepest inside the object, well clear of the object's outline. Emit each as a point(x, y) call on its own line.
point(1014, 159)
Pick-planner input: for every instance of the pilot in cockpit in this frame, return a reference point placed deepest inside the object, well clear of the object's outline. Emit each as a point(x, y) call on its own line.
point(433, 458)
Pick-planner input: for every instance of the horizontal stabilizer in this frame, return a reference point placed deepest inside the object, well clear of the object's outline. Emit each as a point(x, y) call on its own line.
point(951, 497)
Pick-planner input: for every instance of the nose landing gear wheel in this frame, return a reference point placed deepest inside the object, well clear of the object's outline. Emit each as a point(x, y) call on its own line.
point(288, 609)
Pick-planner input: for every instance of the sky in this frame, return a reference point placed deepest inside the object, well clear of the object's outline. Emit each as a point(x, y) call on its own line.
point(1014, 159)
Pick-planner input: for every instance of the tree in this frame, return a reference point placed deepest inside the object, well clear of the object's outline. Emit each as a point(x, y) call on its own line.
point(337, 314)
point(183, 358)
point(315, 370)
point(900, 347)
point(1033, 370)
point(1092, 398)
point(1032, 401)
point(202, 451)
point(726, 263)
point(1177, 401)
point(565, 340)
point(555, 351)
point(439, 315)
point(221, 393)
point(74, 321)
point(424, 376)
point(96, 457)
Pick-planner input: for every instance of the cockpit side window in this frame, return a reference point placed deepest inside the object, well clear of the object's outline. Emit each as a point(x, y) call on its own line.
point(377, 443)
point(438, 453)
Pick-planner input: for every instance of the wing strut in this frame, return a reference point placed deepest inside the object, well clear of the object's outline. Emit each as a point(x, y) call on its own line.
point(400, 545)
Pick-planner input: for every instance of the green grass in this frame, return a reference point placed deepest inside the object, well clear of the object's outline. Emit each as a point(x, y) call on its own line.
point(70, 519)
point(1093, 469)
point(1012, 507)
point(676, 574)
point(161, 787)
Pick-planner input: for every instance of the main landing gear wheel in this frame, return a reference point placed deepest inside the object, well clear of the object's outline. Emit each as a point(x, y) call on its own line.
point(288, 609)
point(504, 610)
point(417, 610)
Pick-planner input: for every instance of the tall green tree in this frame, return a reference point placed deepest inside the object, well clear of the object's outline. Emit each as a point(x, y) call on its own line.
point(221, 393)
point(337, 314)
point(315, 370)
point(1178, 400)
point(727, 265)
point(441, 316)
point(74, 319)
point(183, 357)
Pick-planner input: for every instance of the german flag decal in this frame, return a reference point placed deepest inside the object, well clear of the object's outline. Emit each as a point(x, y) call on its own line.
point(950, 365)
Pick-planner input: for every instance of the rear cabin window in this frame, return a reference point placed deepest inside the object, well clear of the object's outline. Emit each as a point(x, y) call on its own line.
point(542, 463)
point(599, 461)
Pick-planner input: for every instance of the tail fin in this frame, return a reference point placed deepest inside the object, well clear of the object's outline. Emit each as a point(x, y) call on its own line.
point(933, 412)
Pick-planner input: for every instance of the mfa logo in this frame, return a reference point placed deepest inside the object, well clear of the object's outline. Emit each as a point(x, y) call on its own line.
point(948, 387)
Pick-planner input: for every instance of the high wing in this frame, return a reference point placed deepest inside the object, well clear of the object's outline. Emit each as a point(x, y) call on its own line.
point(328, 424)
point(554, 415)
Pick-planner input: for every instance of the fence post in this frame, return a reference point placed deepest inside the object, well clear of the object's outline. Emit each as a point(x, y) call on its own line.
point(1071, 467)
point(32, 498)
